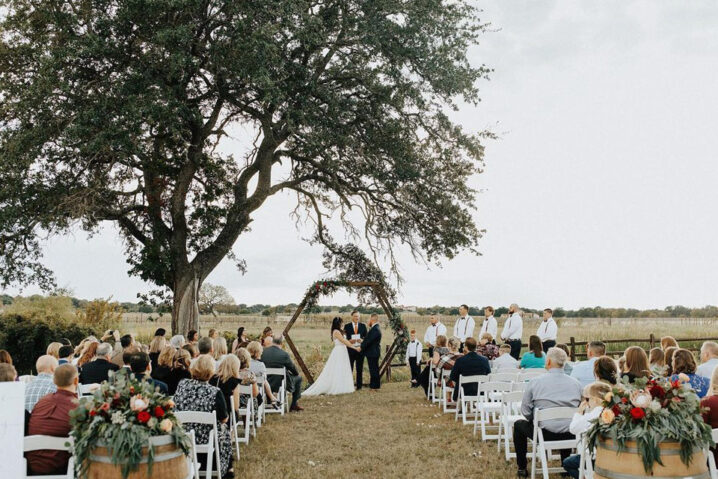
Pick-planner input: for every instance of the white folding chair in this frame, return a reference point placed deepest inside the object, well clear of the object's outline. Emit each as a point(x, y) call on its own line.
point(519, 386)
point(40, 442)
point(26, 378)
point(510, 413)
point(468, 403)
point(711, 459)
point(504, 376)
point(281, 393)
point(189, 419)
point(543, 448)
point(488, 406)
point(529, 374)
point(87, 389)
point(433, 382)
point(261, 410)
point(447, 393)
point(194, 463)
point(585, 466)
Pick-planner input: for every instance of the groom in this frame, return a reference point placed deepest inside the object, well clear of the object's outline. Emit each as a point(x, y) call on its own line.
point(371, 348)
point(355, 332)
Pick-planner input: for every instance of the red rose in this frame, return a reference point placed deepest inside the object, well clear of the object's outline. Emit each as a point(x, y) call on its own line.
point(624, 400)
point(657, 391)
point(616, 410)
point(637, 413)
point(143, 416)
point(325, 284)
point(159, 412)
point(92, 413)
point(675, 384)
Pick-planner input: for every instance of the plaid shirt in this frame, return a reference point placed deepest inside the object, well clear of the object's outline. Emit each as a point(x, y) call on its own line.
point(40, 387)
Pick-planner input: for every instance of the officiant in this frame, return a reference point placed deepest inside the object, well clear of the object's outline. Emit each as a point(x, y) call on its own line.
point(355, 332)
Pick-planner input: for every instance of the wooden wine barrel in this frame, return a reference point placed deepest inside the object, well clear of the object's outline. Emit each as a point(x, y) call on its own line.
point(610, 464)
point(169, 462)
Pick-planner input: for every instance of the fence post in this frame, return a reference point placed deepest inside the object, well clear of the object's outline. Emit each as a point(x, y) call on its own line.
point(652, 340)
point(573, 349)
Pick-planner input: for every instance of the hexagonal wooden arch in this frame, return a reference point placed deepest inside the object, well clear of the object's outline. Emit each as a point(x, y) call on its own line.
point(383, 300)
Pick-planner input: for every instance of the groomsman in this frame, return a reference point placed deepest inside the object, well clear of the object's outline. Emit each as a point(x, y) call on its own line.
point(464, 326)
point(489, 325)
point(435, 329)
point(513, 331)
point(355, 332)
point(413, 358)
point(547, 330)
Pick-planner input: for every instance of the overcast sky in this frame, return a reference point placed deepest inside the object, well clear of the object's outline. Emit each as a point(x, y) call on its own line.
point(602, 189)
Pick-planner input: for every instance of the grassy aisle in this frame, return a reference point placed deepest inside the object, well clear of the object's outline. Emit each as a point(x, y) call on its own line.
point(394, 433)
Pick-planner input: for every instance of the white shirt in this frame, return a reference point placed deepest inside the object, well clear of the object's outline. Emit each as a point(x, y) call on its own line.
point(513, 328)
point(464, 327)
point(581, 422)
point(414, 349)
point(706, 369)
point(505, 361)
point(547, 330)
point(489, 326)
point(433, 331)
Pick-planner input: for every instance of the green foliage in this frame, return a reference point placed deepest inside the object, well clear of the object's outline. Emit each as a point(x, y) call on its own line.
point(122, 415)
point(211, 296)
point(101, 314)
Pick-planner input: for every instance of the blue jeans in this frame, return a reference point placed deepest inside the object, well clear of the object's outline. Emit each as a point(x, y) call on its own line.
point(571, 464)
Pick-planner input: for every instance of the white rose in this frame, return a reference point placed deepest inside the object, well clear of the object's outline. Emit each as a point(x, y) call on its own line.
point(166, 425)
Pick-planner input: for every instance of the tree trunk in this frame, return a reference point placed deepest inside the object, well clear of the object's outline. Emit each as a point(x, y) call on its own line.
point(185, 307)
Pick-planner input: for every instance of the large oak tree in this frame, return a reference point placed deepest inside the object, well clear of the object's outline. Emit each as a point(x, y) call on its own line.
point(114, 111)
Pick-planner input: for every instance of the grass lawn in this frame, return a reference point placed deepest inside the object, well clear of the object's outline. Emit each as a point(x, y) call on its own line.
point(394, 433)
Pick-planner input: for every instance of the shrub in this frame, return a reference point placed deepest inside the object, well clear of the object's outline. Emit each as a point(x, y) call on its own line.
point(100, 314)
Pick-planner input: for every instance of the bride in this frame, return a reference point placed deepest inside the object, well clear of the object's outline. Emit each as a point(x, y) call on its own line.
point(336, 377)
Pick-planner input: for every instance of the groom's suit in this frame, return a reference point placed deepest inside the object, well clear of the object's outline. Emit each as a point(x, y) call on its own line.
point(355, 356)
point(371, 347)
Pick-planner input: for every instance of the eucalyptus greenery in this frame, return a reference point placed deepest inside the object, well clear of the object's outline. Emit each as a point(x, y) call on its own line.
point(650, 412)
point(122, 415)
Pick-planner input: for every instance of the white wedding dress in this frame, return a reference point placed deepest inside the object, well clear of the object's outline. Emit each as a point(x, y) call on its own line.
point(336, 377)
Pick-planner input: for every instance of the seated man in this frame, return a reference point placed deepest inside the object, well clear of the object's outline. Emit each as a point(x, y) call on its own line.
point(470, 364)
point(505, 360)
point(142, 368)
point(66, 353)
point(583, 370)
point(275, 357)
point(553, 389)
point(709, 359)
point(43, 384)
point(96, 371)
point(128, 344)
point(50, 417)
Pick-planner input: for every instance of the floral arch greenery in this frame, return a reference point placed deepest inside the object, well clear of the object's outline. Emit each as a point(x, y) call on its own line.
point(365, 289)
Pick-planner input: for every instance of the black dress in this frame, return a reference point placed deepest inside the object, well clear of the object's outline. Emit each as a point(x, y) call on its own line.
point(174, 377)
point(227, 387)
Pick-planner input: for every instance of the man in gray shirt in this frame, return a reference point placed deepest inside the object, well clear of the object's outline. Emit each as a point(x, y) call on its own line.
point(553, 389)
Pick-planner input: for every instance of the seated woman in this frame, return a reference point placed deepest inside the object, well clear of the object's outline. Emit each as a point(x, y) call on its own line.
point(257, 367)
point(219, 346)
point(241, 340)
point(157, 344)
point(605, 370)
point(228, 378)
point(197, 394)
point(656, 361)
point(487, 348)
point(636, 364)
point(590, 408)
point(192, 350)
point(684, 370)
point(568, 365)
point(180, 370)
point(439, 350)
point(164, 365)
point(709, 405)
point(447, 361)
point(668, 342)
point(535, 358)
point(668, 360)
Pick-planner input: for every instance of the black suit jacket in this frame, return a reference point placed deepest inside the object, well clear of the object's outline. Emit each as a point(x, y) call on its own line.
point(471, 364)
point(96, 371)
point(275, 357)
point(371, 346)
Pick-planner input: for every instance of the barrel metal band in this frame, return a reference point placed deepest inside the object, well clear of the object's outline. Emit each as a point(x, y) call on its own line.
point(617, 475)
point(158, 457)
point(634, 450)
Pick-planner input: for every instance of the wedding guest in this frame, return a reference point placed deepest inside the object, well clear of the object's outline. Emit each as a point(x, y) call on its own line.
point(192, 336)
point(219, 349)
point(7, 373)
point(247, 377)
point(260, 371)
point(230, 375)
point(274, 357)
point(206, 346)
point(470, 364)
point(97, 371)
point(88, 354)
point(568, 367)
point(553, 389)
point(535, 358)
point(684, 369)
point(656, 361)
point(590, 408)
point(489, 325)
point(180, 370)
point(157, 344)
point(267, 342)
point(213, 334)
point(709, 406)
point(141, 367)
point(177, 341)
point(605, 370)
point(709, 359)
point(487, 348)
point(464, 326)
point(547, 330)
point(127, 342)
point(668, 341)
point(197, 394)
point(583, 370)
point(414, 352)
point(53, 349)
point(5, 357)
point(513, 331)
point(66, 354)
point(668, 353)
point(165, 362)
point(241, 339)
point(267, 333)
point(434, 330)
point(43, 384)
point(636, 365)
point(438, 352)
point(160, 332)
point(505, 361)
point(191, 349)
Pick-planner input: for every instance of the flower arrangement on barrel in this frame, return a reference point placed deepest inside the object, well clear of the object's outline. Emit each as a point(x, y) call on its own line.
point(656, 419)
point(126, 423)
